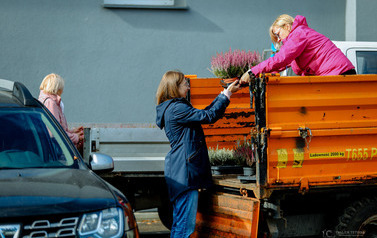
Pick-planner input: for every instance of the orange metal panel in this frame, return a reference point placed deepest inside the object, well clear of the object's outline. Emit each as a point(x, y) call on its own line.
point(274, 133)
point(204, 90)
point(191, 76)
point(341, 113)
point(321, 102)
point(329, 160)
point(235, 125)
point(237, 121)
point(226, 215)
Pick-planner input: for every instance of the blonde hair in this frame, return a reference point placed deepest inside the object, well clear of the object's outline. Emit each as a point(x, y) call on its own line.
point(281, 21)
point(52, 84)
point(169, 86)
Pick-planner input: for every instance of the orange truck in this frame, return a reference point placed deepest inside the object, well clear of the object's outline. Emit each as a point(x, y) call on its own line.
point(315, 141)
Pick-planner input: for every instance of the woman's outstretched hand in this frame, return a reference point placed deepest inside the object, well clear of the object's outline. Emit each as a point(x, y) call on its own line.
point(248, 77)
point(234, 87)
point(245, 79)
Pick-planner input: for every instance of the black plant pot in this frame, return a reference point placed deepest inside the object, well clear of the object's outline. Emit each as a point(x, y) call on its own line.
point(248, 171)
point(226, 169)
point(248, 175)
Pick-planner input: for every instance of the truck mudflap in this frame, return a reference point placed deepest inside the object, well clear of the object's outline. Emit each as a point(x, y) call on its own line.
point(226, 215)
point(320, 130)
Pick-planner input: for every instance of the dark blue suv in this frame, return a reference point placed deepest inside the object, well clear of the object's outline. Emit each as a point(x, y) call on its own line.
point(46, 189)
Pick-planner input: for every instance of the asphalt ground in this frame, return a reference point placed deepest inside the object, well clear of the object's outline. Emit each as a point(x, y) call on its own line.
point(150, 225)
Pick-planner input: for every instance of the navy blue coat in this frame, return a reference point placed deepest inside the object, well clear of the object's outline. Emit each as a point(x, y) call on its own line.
point(187, 164)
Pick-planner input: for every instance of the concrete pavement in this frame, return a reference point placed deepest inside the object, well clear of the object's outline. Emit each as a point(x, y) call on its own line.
point(150, 224)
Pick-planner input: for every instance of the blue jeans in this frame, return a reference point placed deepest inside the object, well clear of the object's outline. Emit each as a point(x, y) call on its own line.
point(184, 214)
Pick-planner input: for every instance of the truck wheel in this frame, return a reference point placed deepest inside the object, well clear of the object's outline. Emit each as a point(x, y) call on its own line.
point(165, 212)
point(359, 219)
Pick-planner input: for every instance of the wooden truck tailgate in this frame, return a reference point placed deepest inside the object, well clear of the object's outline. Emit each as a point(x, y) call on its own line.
point(227, 215)
point(321, 130)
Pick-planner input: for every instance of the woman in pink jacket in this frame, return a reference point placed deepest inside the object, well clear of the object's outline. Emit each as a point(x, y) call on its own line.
point(52, 88)
point(305, 50)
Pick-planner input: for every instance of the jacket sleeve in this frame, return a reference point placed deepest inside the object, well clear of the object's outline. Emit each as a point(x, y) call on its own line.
point(73, 136)
point(212, 103)
point(185, 113)
point(53, 108)
point(296, 68)
point(291, 49)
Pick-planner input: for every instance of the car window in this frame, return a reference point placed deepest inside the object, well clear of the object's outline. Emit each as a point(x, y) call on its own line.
point(366, 62)
point(29, 139)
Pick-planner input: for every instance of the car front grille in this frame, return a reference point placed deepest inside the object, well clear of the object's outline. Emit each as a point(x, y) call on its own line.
point(54, 227)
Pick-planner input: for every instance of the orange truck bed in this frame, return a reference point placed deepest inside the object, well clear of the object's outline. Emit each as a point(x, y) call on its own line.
point(310, 133)
point(319, 130)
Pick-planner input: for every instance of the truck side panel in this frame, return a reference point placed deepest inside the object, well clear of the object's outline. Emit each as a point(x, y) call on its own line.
point(237, 121)
point(134, 150)
point(321, 130)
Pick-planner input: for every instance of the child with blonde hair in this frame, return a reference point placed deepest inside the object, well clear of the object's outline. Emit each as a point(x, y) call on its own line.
point(52, 88)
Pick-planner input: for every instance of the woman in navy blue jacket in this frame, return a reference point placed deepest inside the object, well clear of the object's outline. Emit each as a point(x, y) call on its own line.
point(187, 167)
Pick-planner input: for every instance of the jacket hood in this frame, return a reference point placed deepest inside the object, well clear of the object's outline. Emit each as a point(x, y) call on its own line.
point(42, 97)
point(299, 21)
point(160, 112)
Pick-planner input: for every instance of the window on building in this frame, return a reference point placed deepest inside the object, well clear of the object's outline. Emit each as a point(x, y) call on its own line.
point(158, 4)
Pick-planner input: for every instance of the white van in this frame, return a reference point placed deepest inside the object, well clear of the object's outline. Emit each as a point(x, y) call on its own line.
point(362, 54)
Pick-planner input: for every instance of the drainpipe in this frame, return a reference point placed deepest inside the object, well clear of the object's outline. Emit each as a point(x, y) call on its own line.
point(351, 18)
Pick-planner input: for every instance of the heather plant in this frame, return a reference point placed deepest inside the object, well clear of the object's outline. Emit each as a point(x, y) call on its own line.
point(233, 64)
point(244, 152)
point(218, 157)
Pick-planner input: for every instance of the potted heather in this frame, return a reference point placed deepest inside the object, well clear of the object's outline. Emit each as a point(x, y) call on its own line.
point(233, 64)
point(223, 161)
point(245, 151)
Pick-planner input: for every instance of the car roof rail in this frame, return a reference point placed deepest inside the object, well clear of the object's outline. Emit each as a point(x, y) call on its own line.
point(19, 91)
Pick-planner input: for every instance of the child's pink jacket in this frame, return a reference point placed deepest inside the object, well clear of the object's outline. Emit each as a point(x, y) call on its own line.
point(52, 102)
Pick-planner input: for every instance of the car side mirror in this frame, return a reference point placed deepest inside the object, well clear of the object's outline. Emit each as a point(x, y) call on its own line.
point(101, 163)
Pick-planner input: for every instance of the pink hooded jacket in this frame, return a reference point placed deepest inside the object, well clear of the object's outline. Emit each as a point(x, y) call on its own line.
point(52, 102)
point(307, 52)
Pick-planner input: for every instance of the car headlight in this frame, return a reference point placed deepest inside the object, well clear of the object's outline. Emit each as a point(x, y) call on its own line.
point(108, 223)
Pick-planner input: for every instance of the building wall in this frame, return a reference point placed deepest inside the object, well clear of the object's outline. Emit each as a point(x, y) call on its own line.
point(366, 20)
point(112, 59)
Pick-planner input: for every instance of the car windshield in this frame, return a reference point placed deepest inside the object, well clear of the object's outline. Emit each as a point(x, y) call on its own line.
point(29, 139)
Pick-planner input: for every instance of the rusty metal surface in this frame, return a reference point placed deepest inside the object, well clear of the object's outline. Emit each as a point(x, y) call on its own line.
point(237, 121)
point(336, 144)
point(226, 215)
